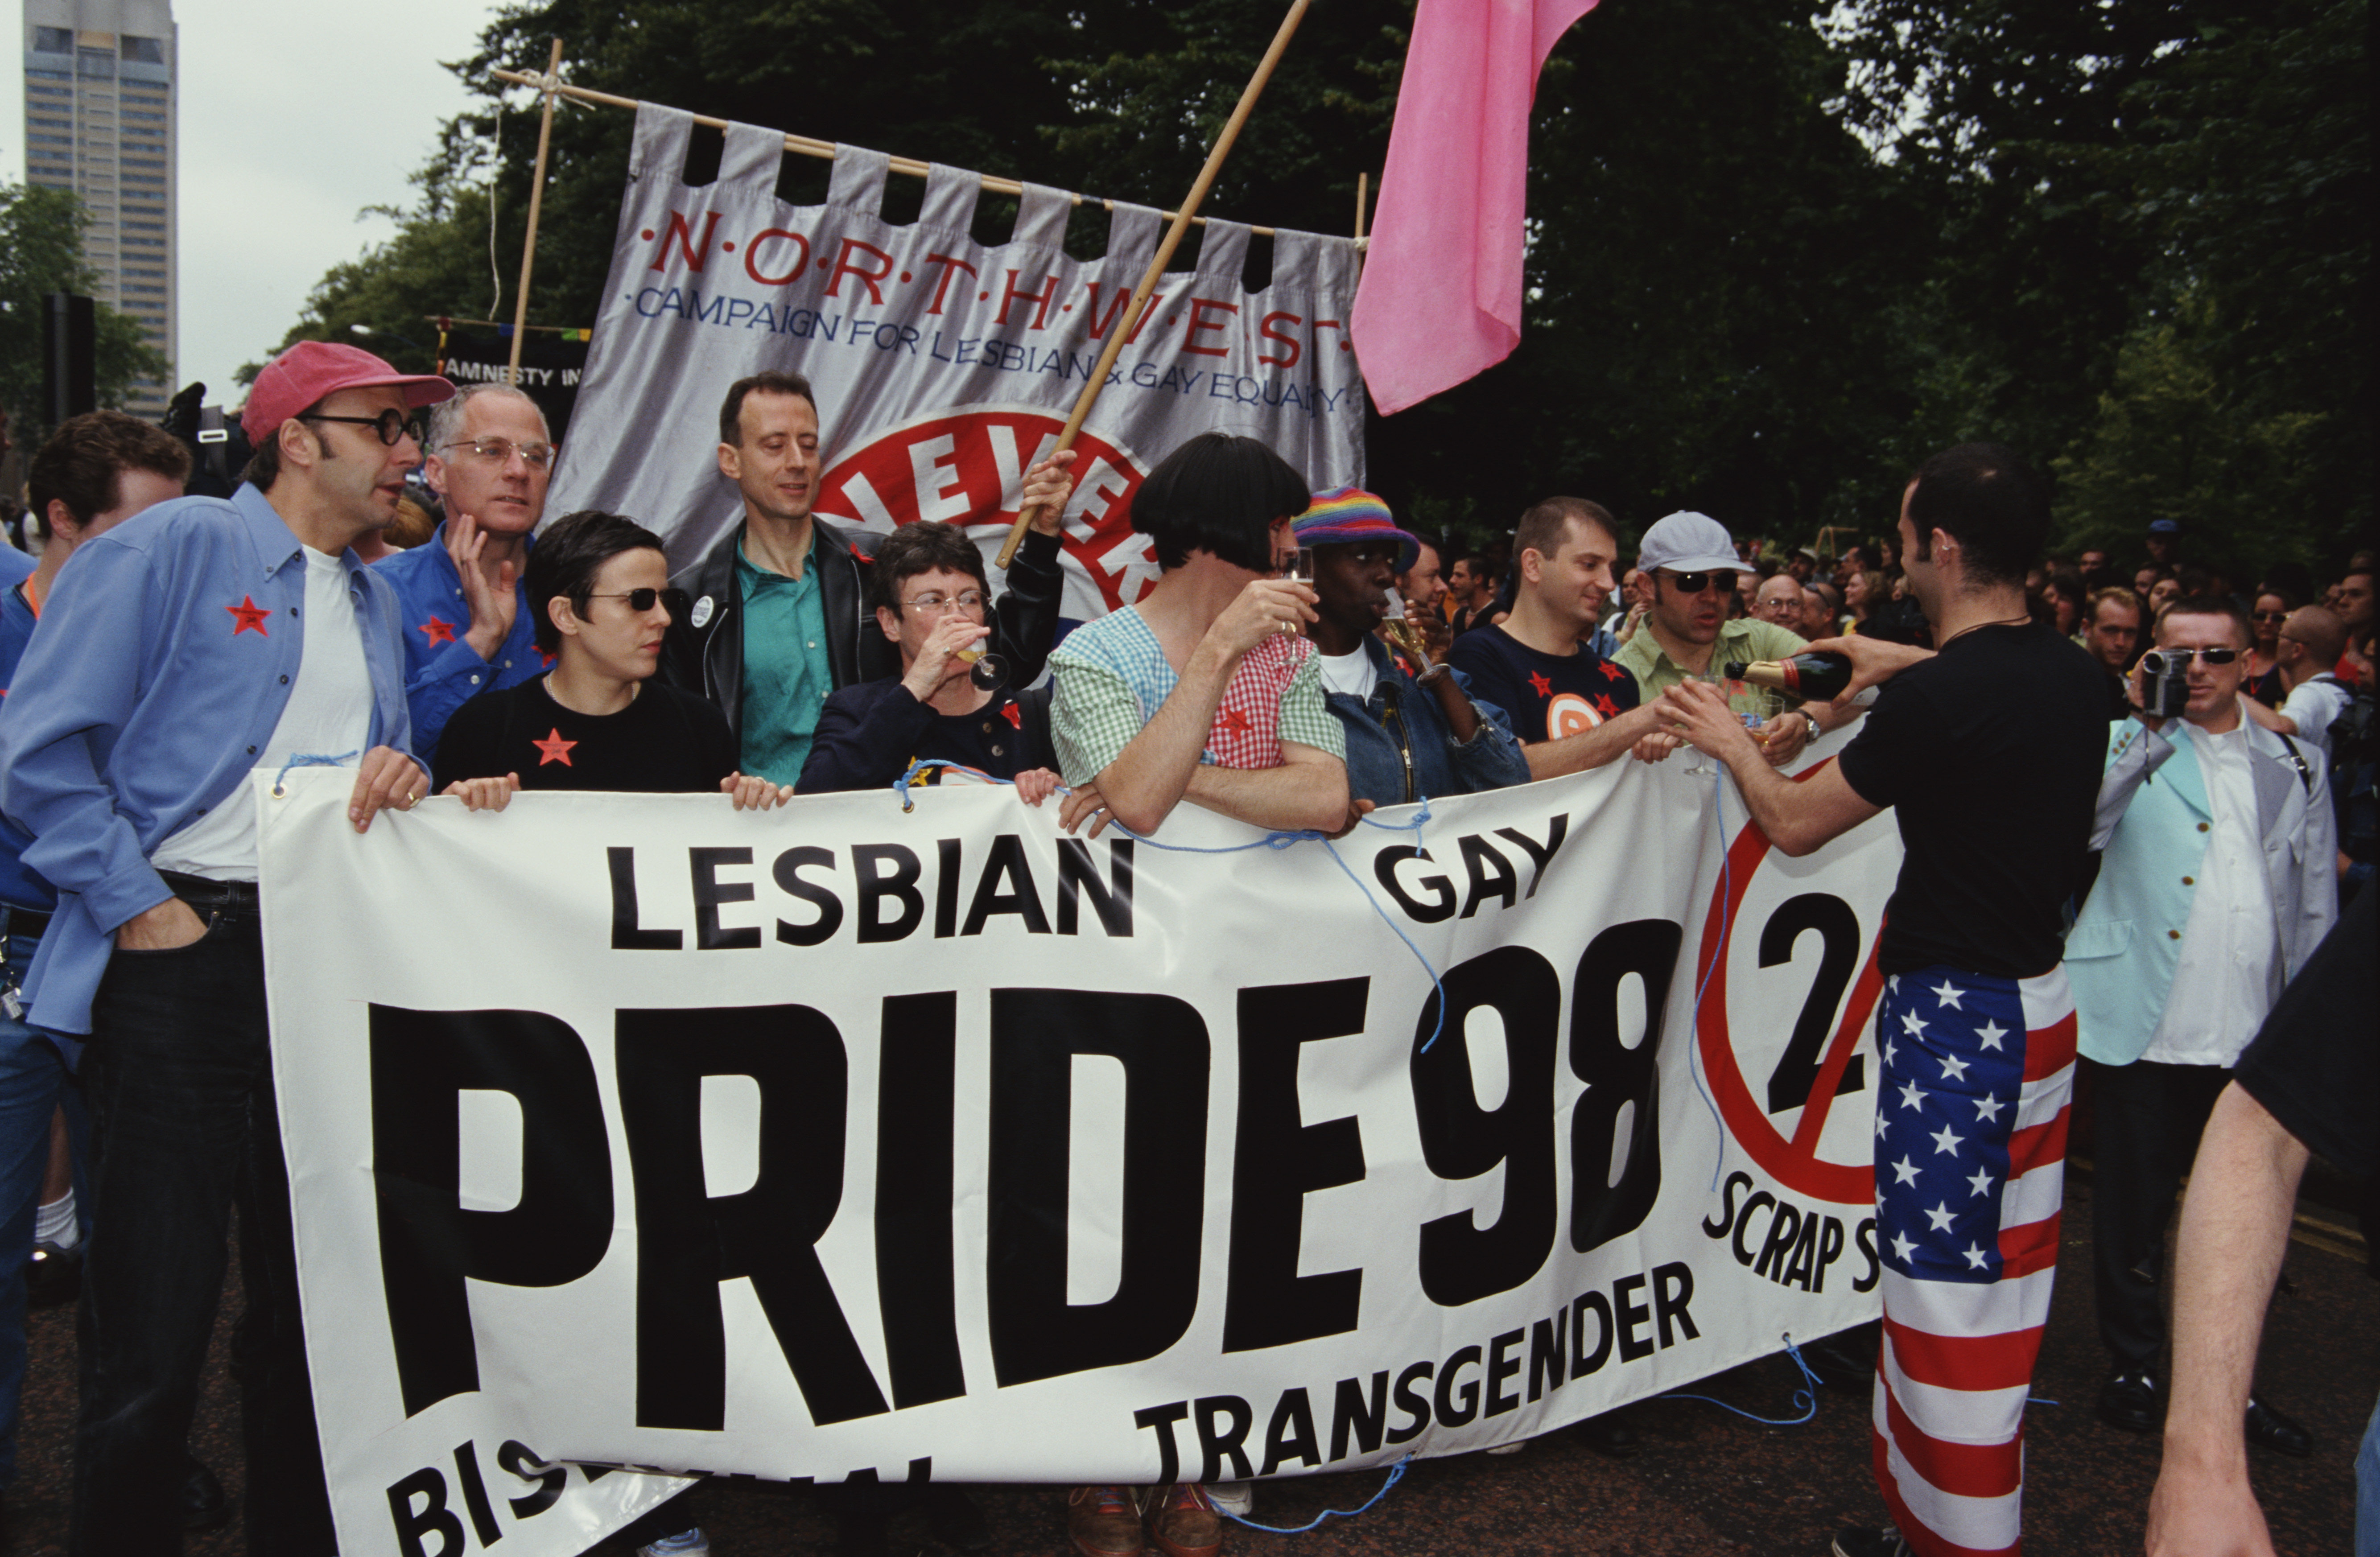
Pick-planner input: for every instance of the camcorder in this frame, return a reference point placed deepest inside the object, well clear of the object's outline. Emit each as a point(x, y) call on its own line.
point(2165, 683)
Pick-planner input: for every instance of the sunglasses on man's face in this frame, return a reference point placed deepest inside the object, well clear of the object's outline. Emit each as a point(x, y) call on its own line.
point(389, 426)
point(2206, 656)
point(1695, 583)
point(642, 601)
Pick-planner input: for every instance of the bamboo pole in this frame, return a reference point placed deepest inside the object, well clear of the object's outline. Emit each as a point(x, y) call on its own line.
point(1363, 189)
point(1127, 326)
point(803, 145)
point(536, 201)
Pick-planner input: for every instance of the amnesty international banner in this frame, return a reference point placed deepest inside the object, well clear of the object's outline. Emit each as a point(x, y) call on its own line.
point(944, 368)
point(629, 1130)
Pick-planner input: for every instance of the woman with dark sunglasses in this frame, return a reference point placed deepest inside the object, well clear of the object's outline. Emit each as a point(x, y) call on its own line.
point(596, 719)
point(2264, 682)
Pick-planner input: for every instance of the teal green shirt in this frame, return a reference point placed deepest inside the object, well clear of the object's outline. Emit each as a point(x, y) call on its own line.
point(786, 675)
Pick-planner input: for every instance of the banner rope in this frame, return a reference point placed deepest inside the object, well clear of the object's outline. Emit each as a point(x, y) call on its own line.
point(1282, 840)
point(1694, 1038)
point(1396, 1474)
point(1806, 1397)
point(309, 759)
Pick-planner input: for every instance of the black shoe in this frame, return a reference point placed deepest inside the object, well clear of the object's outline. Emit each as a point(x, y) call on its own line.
point(2129, 1401)
point(1864, 1540)
point(1846, 1361)
point(52, 1276)
point(2268, 1429)
point(204, 1505)
point(1609, 1435)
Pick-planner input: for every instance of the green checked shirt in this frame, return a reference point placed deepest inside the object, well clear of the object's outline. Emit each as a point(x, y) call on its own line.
point(1112, 677)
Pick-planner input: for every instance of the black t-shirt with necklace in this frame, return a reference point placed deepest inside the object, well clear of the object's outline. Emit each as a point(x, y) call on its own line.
point(1989, 754)
point(664, 742)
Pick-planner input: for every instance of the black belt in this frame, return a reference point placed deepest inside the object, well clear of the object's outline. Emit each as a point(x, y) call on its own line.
point(206, 891)
point(25, 921)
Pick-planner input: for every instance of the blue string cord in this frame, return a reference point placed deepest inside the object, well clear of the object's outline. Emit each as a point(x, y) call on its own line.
point(1806, 1397)
point(1396, 1474)
point(901, 787)
point(1694, 1038)
point(311, 760)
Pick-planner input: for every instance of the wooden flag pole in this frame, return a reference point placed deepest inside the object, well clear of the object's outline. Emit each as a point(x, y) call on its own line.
point(536, 199)
point(1129, 326)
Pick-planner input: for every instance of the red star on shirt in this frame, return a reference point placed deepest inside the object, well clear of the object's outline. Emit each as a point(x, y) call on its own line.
point(1611, 672)
point(250, 617)
point(1605, 706)
point(1014, 715)
point(1232, 719)
point(437, 630)
point(547, 658)
point(1544, 688)
point(553, 749)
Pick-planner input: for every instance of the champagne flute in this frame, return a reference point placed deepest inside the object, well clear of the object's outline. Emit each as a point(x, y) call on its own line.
point(1403, 633)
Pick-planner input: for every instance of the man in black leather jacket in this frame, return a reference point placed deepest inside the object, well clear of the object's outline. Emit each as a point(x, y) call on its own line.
point(777, 614)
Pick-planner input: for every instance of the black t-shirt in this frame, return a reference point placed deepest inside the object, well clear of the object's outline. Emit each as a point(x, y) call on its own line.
point(2315, 1065)
point(1991, 755)
point(666, 742)
point(1566, 692)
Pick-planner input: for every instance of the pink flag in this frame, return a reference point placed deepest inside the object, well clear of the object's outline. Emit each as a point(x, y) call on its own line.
point(1441, 298)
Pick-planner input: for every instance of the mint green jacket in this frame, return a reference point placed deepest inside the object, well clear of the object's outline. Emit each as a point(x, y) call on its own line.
point(2126, 943)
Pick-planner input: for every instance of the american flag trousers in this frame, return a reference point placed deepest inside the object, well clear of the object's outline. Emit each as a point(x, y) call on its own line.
point(1970, 1177)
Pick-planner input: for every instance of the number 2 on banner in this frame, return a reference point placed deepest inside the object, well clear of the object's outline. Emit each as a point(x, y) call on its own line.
point(1461, 1262)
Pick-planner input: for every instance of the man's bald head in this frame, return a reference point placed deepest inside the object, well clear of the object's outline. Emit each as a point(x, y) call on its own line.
point(2321, 629)
point(1779, 600)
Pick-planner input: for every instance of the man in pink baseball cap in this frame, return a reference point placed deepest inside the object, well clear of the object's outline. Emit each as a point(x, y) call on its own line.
point(130, 757)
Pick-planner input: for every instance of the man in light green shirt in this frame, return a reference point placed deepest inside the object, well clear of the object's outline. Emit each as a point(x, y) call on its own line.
point(1687, 636)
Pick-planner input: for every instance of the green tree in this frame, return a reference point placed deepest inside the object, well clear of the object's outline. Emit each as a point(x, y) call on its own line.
point(40, 251)
point(2170, 442)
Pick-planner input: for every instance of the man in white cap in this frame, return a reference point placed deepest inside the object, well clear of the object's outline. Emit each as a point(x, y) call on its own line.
point(184, 649)
point(1687, 635)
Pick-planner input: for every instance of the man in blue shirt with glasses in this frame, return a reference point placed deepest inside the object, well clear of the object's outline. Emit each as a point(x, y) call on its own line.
point(186, 649)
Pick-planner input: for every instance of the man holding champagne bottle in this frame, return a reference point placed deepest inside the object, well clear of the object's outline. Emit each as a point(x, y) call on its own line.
point(1988, 751)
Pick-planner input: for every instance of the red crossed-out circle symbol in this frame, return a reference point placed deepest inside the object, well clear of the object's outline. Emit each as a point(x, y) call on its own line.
point(1792, 1161)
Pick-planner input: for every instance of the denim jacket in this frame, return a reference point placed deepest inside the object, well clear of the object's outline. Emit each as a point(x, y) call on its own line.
point(1399, 747)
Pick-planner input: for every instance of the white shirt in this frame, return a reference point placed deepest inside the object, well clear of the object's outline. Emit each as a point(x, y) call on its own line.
point(329, 714)
point(2314, 704)
point(1351, 673)
point(2230, 947)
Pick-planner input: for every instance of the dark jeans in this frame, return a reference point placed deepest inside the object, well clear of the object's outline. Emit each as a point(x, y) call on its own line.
point(180, 1081)
point(2149, 1119)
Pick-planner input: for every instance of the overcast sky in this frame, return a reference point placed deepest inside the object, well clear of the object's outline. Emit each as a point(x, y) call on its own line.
point(294, 114)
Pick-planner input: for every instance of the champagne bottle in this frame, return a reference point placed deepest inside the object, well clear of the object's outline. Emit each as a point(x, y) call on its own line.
point(1810, 676)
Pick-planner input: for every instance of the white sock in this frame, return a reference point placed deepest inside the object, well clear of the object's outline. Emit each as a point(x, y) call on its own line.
point(55, 1223)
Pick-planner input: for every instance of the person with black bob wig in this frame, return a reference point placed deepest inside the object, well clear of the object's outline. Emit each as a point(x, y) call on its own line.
point(596, 720)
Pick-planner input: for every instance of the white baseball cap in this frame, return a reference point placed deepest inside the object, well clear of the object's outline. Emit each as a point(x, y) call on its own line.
point(1688, 543)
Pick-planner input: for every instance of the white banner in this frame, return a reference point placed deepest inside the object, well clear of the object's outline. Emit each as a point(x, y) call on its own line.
point(944, 368)
point(634, 1130)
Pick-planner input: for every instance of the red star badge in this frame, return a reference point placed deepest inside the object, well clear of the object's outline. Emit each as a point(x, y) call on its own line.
point(1014, 715)
point(1611, 672)
point(250, 617)
point(437, 630)
point(1605, 706)
point(553, 749)
point(547, 658)
point(1544, 688)
point(1232, 719)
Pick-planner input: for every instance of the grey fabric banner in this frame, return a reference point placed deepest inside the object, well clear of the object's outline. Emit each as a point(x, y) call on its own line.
point(944, 368)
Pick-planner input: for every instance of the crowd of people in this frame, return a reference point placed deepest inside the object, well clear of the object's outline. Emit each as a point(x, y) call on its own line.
point(2130, 806)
